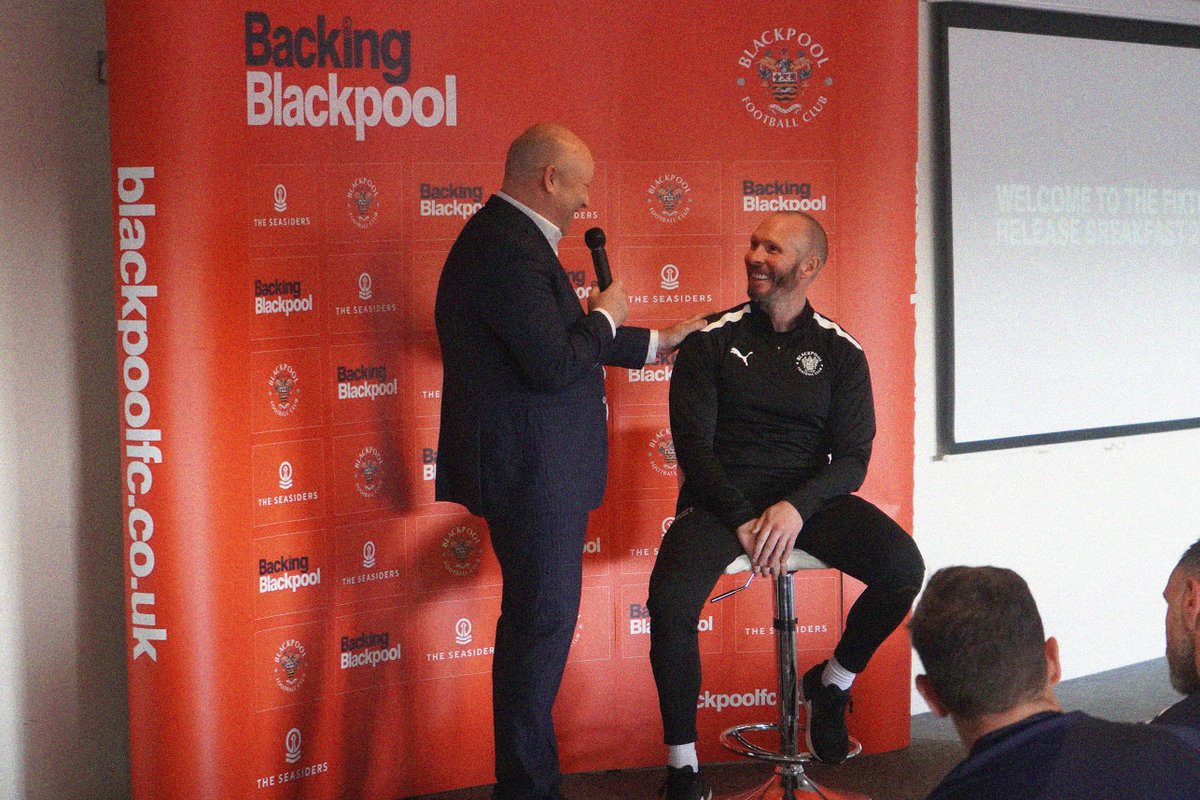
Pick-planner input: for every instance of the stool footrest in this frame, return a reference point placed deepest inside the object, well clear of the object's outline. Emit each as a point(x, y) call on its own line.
point(734, 739)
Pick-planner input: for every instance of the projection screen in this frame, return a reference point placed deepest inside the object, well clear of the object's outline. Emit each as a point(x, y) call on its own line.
point(1068, 229)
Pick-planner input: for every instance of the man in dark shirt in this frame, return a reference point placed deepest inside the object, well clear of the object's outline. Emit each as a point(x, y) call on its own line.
point(1183, 642)
point(988, 667)
point(772, 420)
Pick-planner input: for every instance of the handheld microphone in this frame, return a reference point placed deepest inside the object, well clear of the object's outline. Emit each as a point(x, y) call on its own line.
point(594, 238)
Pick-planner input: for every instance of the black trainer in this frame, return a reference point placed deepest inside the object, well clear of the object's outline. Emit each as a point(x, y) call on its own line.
point(825, 729)
point(683, 783)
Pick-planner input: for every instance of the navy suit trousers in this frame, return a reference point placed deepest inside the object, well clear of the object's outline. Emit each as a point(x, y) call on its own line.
point(541, 559)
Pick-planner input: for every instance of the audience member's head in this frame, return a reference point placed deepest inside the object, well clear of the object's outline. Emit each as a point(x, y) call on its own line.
point(979, 635)
point(980, 638)
point(1183, 618)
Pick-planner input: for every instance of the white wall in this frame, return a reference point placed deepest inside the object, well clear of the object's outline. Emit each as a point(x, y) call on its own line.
point(63, 719)
point(1095, 527)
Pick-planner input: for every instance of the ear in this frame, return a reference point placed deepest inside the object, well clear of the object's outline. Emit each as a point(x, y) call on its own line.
point(810, 266)
point(926, 690)
point(1189, 603)
point(549, 178)
point(1053, 665)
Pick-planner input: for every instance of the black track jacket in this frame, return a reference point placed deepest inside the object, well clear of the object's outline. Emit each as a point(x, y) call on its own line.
point(759, 416)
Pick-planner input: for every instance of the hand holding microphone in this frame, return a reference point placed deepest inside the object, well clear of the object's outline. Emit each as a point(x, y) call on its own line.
point(612, 301)
point(610, 297)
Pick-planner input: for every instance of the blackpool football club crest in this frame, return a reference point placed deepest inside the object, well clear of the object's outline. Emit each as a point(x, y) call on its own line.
point(662, 453)
point(809, 363)
point(284, 389)
point(291, 665)
point(462, 550)
point(362, 202)
point(785, 77)
point(368, 472)
point(669, 198)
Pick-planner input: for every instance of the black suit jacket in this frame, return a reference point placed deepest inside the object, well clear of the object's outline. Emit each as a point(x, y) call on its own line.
point(523, 420)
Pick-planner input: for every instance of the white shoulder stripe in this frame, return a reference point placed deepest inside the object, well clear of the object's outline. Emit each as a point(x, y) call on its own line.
point(833, 326)
point(732, 316)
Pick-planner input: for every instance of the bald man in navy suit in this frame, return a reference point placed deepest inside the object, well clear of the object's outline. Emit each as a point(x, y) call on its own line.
point(523, 439)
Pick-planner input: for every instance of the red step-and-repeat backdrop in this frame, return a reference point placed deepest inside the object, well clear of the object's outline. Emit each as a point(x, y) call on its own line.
point(304, 620)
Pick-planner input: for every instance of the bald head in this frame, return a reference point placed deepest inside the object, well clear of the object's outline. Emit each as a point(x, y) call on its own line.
point(1190, 562)
point(816, 242)
point(549, 169)
point(538, 147)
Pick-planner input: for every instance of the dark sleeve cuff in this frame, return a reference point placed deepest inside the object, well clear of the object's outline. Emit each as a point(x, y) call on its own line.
point(629, 348)
point(736, 516)
point(805, 504)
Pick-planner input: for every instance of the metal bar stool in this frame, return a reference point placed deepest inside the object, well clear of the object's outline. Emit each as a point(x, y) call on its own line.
point(789, 780)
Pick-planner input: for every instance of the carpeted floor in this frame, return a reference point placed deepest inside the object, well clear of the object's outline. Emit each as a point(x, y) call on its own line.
point(1131, 694)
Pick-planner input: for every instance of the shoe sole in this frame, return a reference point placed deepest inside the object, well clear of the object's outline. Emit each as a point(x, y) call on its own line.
point(808, 734)
point(707, 796)
point(808, 727)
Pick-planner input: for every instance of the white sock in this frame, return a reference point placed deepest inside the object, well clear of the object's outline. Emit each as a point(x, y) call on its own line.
point(683, 755)
point(837, 675)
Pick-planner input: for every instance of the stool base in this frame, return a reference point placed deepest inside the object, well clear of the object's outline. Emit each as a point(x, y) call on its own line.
point(787, 785)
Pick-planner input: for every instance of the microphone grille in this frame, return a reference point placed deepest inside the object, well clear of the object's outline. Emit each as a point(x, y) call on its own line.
point(594, 237)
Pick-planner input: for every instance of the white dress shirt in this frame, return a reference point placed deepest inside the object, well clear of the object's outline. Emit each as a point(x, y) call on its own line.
point(554, 236)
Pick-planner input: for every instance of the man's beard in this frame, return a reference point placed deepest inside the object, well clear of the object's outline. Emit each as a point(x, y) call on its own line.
point(780, 286)
point(1181, 661)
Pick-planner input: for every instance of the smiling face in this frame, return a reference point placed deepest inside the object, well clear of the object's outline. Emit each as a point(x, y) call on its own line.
point(781, 261)
point(567, 182)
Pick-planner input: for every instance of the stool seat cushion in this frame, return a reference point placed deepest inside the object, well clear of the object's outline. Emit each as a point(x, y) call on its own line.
point(797, 560)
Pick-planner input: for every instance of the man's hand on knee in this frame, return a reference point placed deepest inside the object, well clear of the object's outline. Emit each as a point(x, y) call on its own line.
point(775, 533)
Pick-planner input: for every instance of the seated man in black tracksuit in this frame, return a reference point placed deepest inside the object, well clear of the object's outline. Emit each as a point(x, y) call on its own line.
point(1183, 642)
point(773, 420)
point(987, 666)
